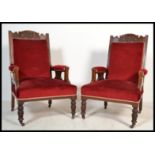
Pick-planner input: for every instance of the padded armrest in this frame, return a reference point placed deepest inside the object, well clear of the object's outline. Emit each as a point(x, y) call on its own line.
point(13, 67)
point(145, 71)
point(59, 68)
point(99, 69)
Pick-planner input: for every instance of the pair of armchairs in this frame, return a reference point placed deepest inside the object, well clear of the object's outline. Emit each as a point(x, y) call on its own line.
point(32, 73)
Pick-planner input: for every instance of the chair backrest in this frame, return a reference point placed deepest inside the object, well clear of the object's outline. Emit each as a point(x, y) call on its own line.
point(126, 57)
point(30, 51)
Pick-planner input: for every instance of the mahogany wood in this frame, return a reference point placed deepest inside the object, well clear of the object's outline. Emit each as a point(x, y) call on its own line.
point(31, 35)
point(123, 38)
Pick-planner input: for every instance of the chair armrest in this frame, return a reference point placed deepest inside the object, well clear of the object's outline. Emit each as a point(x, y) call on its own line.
point(141, 75)
point(100, 71)
point(59, 69)
point(14, 74)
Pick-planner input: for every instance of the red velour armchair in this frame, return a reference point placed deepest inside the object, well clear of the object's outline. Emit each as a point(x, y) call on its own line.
point(31, 72)
point(122, 80)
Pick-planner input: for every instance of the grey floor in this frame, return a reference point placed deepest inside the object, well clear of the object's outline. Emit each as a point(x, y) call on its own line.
point(38, 116)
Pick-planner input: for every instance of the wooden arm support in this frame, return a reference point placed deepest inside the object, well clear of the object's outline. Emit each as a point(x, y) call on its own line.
point(14, 74)
point(100, 71)
point(58, 71)
point(141, 75)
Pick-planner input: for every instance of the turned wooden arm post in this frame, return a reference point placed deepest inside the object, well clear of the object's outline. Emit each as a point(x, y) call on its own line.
point(98, 71)
point(66, 74)
point(14, 75)
point(58, 71)
point(141, 75)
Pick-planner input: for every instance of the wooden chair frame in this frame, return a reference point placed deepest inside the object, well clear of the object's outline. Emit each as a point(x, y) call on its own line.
point(137, 107)
point(15, 74)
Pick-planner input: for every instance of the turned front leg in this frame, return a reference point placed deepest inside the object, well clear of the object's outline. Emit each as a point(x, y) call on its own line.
point(134, 116)
point(20, 112)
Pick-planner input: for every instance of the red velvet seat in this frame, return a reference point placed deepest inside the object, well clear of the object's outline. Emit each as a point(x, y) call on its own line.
point(113, 90)
point(41, 87)
point(122, 80)
point(32, 73)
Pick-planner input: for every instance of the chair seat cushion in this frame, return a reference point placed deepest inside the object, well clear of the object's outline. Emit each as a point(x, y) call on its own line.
point(45, 87)
point(112, 89)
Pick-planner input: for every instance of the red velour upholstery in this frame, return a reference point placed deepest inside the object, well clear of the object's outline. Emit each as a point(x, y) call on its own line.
point(32, 57)
point(44, 87)
point(112, 89)
point(125, 61)
point(145, 71)
point(59, 67)
point(11, 67)
point(100, 69)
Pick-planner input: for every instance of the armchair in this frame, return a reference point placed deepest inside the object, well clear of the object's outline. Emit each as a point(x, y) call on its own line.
point(31, 72)
point(123, 78)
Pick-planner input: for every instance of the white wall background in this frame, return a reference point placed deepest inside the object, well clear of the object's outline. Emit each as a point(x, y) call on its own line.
point(79, 46)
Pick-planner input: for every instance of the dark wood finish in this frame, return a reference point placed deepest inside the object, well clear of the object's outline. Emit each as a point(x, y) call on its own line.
point(31, 35)
point(12, 103)
point(105, 104)
point(134, 116)
point(100, 76)
point(96, 76)
point(140, 80)
point(140, 106)
point(20, 112)
point(49, 103)
point(73, 106)
point(58, 75)
point(59, 72)
point(83, 107)
point(123, 38)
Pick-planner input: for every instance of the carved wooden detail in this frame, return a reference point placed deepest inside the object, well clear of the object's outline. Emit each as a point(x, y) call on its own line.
point(28, 35)
point(128, 38)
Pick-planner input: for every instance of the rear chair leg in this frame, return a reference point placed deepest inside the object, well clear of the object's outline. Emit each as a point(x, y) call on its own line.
point(49, 103)
point(105, 104)
point(20, 112)
point(12, 103)
point(73, 106)
point(83, 108)
point(134, 116)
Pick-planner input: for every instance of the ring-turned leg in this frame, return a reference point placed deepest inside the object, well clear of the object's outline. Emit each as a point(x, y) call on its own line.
point(140, 106)
point(12, 103)
point(20, 112)
point(49, 103)
point(83, 108)
point(73, 106)
point(134, 116)
point(105, 104)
